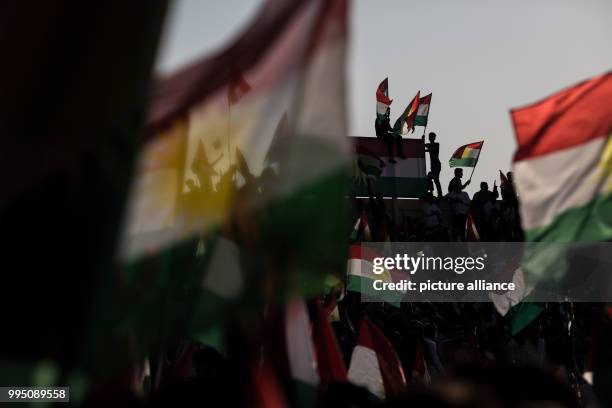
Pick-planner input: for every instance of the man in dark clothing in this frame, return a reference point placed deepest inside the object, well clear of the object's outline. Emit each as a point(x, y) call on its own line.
point(384, 131)
point(455, 184)
point(434, 160)
point(481, 207)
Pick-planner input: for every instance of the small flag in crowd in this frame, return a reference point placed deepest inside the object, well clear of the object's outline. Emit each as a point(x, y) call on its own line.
point(361, 230)
point(471, 231)
point(503, 180)
point(466, 155)
point(382, 98)
point(406, 121)
point(423, 111)
point(374, 363)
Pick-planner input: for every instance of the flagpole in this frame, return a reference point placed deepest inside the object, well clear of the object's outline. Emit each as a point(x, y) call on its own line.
point(474, 168)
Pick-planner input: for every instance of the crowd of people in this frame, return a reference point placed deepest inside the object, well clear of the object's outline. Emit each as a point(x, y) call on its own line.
point(451, 354)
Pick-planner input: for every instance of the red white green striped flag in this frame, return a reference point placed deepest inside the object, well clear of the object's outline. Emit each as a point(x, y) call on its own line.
point(361, 276)
point(382, 98)
point(375, 364)
point(466, 155)
point(293, 57)
point(563, 165)
point(406, 121)
point(423, 111)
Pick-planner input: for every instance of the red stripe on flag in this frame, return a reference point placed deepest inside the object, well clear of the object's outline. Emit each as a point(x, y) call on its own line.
point(382, 92)
point(566, 119)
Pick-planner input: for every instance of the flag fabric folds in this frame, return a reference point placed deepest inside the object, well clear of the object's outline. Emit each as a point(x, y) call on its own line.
point(382, 98)
point(423, 111)
point(374, 363)
point(227, 182)
point(466, 155)
point(563, 164)
point(406, 121)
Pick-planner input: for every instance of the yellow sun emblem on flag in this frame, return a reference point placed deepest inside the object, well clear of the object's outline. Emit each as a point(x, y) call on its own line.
point(605, 166)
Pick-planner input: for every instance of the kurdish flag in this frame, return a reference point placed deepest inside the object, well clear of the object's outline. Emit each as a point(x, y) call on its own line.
point(406, 121)
point(361, 276)
point(466, 155)
point(292, 60)
point(375, 364)
point(423, 111)
point(563, 164)
point(382, 98)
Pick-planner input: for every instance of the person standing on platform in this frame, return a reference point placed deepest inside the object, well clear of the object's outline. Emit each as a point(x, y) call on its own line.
point(433, 148)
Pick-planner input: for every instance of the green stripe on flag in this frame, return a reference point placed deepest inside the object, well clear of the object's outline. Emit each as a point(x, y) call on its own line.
point(365, 286)
point(469, 162)
point(521, 315)
point(591, 222)
point(420, 121)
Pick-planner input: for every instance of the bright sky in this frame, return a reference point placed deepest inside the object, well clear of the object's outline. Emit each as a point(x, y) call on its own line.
point(479, 58)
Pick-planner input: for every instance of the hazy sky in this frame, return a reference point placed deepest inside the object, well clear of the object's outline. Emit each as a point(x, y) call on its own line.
point(479, 58)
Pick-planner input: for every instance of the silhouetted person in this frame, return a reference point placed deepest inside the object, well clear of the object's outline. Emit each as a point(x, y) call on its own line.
point(508, 193)
point(455, 184)
point(384, 131)
point(433, 148)
point(460, 205)
point(510, 216)
point(380, 227)
point(430, 183)
point(482, 207)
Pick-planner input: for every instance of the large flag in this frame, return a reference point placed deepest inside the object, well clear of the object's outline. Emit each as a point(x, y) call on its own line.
point(466, 155)
point(423, 111)
point(563, 164)
point(406, 178)
point(374, 363)
point(406, 121)
point(382, 98)
point(293, 57)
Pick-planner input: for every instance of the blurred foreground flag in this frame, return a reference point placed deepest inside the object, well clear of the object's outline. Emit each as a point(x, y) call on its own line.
point(206, 163)
point(563, 164)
